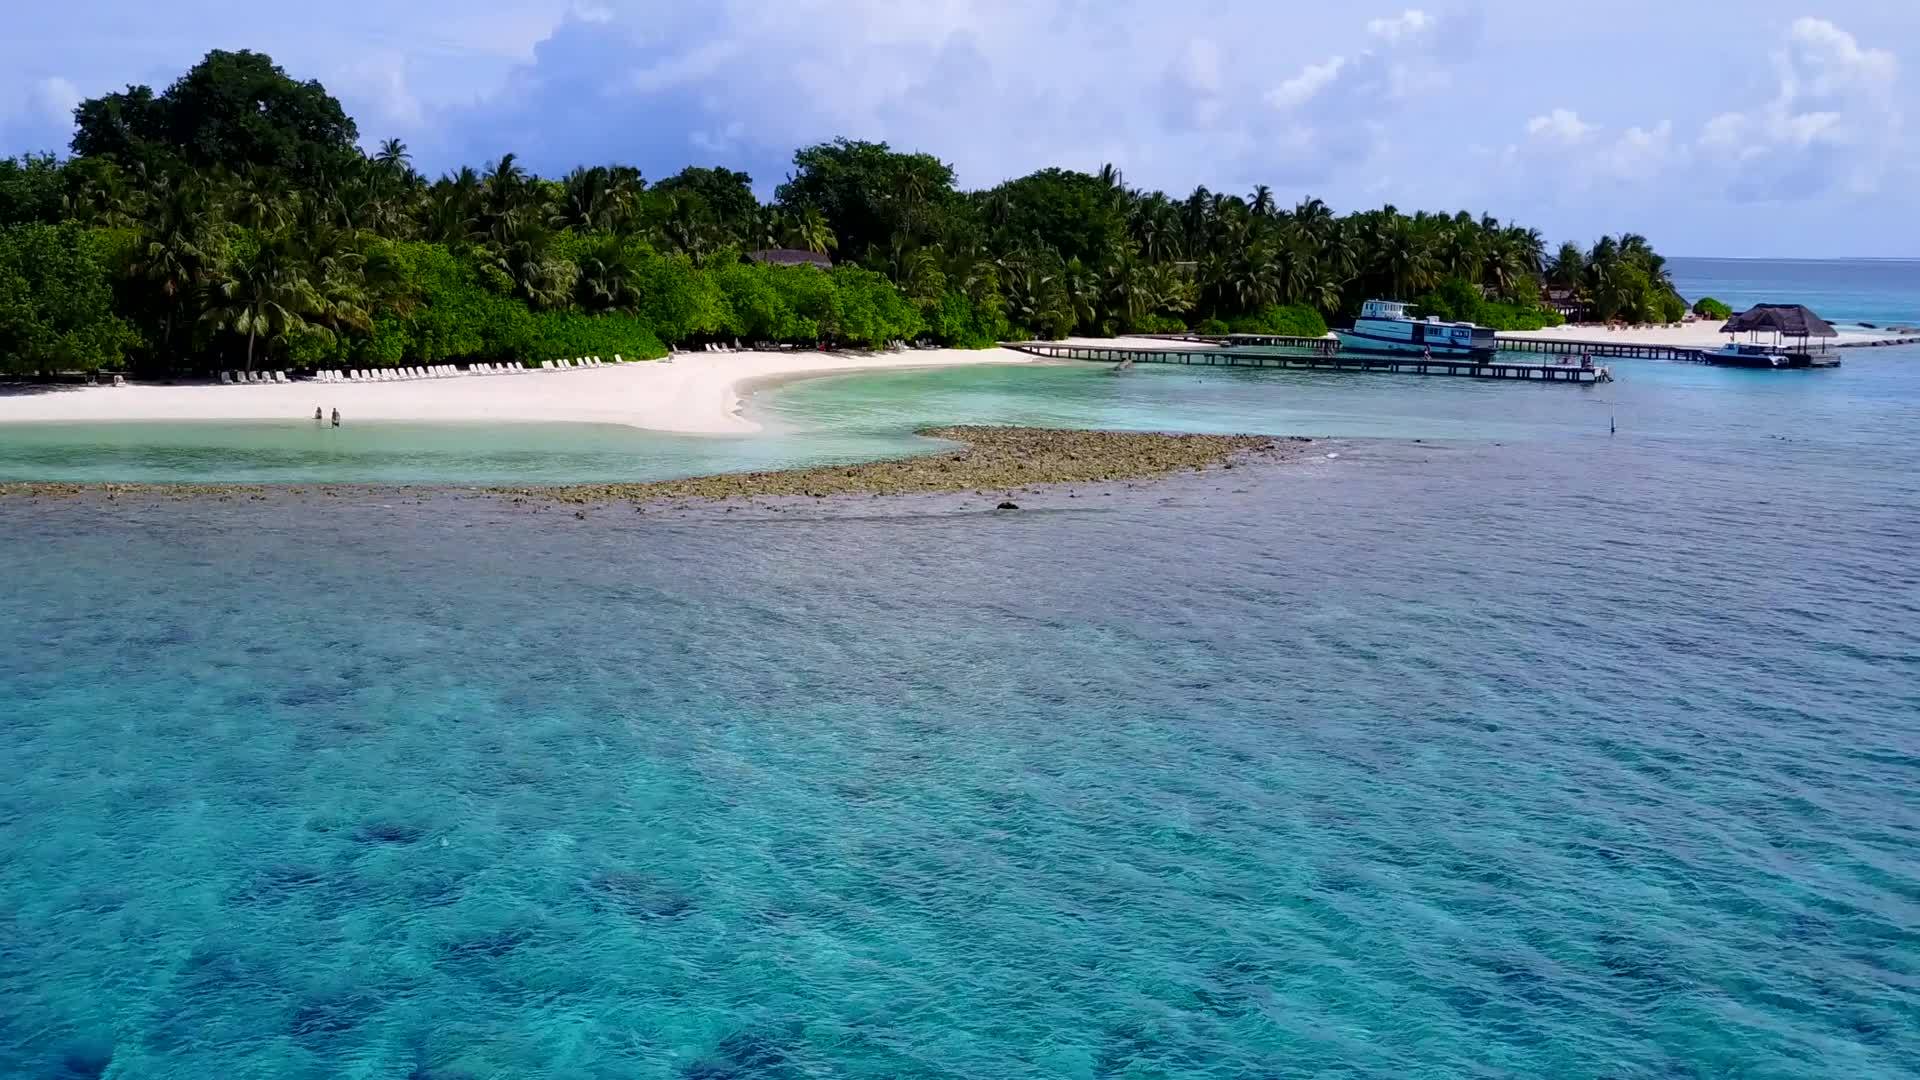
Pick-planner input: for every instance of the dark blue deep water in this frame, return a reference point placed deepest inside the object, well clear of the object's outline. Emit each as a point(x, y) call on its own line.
point(1540, 755)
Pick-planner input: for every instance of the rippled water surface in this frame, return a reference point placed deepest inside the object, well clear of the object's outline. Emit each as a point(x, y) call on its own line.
point(1572, 756)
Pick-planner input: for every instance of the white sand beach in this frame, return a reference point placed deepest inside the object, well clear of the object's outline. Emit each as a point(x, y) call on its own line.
point(697, 393)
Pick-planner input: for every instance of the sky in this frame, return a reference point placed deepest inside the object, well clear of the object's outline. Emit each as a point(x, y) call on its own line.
point(1761, 128)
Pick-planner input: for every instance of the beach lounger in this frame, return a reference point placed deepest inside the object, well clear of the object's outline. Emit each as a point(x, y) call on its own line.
point(226, 377)
point(279, 376)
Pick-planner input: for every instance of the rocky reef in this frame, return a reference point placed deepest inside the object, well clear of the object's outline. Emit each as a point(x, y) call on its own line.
point(998, 459)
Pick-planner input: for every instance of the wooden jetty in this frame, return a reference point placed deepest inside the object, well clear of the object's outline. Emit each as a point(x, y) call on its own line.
point(1622, 349)
point(1317, 359)
point(1269, 341)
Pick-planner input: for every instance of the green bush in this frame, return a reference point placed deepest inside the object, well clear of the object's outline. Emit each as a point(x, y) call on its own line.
point(1457, 301)
point(1290, 320)
point(1213, 326)
point(56, 305)
point(1517, 317)
point(961, 323)
point(559, 334)
point(1159, 324)
point(1708, 308)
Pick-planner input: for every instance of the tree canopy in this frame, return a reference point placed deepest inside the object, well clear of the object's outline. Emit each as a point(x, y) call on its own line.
point(231, 110)
point(234, 218)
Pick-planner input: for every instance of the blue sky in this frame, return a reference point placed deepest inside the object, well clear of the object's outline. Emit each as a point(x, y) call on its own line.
point(1716, 127)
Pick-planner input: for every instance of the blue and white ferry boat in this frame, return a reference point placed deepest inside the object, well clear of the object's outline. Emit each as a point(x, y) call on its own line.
point(1384, 327)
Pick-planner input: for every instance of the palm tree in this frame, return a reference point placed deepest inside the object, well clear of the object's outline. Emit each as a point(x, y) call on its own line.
point(261, 199)
point(608, 277)
point(1402, 260)
point(520, 246)
point(393, 158)
point(808, 230)
point(1261, 201)
point(267, 296)
point(1567, 267)
point(176, 249)
point(504, 189)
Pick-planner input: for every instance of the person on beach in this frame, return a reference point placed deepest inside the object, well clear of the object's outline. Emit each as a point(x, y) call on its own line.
point(336, 418)
point(316, 413)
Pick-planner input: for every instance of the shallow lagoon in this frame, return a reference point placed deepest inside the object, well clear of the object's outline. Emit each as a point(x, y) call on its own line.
point(1574, 756)
point(866, 416)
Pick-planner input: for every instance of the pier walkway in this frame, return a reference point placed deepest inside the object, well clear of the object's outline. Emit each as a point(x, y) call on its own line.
point(1317, 360)
point(1623, 349)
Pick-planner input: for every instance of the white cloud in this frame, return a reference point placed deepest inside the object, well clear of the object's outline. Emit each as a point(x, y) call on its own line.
point(1640, 152)
point(1834, 120)
point(1560, 125)
point(1303, 87)
point(1408, 24)
point(54, 98)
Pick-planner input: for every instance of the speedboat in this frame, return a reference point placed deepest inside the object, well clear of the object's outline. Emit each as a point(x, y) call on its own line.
point(1385, 327)
point(1736, 354)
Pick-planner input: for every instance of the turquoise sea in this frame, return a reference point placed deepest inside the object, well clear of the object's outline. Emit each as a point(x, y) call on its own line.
point(1519, 750)
point(1846, 292)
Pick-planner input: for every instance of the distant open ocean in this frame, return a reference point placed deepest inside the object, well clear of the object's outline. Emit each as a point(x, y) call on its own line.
point(1849, 291)
point(1522, 750)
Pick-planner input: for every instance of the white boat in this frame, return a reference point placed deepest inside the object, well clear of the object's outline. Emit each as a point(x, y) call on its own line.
point(1739, 354)
point(1385, 327)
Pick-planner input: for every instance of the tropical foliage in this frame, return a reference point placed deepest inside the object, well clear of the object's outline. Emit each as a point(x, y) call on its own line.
point(1708, 308)
point(234, 219)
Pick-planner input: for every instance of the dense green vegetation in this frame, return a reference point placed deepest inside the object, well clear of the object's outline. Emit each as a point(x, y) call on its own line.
point(1708, 308)
point(1618, 279)
point(233, 219)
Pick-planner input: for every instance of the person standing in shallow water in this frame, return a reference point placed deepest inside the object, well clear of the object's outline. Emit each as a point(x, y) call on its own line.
point(336, 418)
point(316, 413)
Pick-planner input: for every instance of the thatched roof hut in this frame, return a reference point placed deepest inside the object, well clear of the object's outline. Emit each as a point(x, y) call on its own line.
point(1787, 320)
point(791, 257)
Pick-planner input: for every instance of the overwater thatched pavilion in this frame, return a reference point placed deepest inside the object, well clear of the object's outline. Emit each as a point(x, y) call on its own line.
point(1794, 328)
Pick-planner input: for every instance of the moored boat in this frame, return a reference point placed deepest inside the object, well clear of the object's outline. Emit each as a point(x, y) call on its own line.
point(1739, 354)
point(1385, 327)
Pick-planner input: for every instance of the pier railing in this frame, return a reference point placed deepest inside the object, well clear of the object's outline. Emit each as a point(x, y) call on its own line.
point(1622, 349)
point(1314, 360)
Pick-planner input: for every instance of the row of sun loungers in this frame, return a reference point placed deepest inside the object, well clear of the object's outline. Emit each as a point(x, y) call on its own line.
point(406, 374)
point(400, 374)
